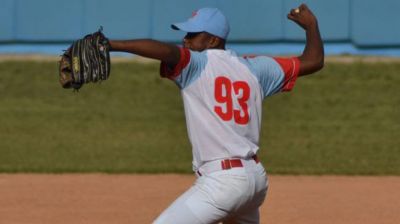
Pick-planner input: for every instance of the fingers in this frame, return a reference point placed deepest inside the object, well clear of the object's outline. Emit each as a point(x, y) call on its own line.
point(289, 16)
point(294, 14)
point(299, 10)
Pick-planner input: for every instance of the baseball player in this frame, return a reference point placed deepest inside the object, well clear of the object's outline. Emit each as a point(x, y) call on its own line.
point(222, 94)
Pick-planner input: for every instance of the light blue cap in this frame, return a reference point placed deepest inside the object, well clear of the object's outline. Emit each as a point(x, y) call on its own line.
point(210, 20)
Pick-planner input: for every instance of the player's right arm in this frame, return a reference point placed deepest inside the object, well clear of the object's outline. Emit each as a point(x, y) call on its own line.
point(312, 58)
point(167, 53)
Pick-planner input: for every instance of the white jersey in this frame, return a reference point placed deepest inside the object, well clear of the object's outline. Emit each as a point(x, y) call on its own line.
point(222, 95)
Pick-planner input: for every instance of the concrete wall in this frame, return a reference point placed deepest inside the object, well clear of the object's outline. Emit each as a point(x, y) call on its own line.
point(367, 23)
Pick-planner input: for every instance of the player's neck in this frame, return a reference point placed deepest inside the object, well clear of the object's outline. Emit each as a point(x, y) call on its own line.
point(219, 47)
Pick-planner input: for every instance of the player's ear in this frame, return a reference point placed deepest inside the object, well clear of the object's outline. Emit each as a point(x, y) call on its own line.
point(214, 42)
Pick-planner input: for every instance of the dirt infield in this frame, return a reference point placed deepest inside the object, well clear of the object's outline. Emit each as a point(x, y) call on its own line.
point(99, 198)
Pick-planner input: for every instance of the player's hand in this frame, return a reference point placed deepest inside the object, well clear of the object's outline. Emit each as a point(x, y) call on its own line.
point(303, 17)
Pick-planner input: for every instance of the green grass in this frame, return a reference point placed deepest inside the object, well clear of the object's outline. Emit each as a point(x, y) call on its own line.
point(343, 120)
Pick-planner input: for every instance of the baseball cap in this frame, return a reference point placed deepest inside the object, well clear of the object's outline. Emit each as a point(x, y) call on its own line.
point(210, 20)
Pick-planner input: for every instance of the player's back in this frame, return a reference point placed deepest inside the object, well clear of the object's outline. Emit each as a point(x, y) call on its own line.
point(222, 95)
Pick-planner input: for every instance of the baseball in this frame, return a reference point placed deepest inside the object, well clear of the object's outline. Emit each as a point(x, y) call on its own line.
point(297, 10)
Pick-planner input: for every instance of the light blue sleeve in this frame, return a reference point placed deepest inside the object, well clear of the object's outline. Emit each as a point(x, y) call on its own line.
point(192, 70)
point(268, 73)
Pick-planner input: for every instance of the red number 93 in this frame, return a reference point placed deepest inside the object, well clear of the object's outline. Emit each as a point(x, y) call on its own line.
point(223, 95)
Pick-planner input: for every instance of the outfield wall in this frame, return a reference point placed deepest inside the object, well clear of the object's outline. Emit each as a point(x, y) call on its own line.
point(365, 23)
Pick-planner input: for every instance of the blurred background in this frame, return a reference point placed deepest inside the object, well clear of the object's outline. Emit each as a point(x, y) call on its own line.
point(367, 27)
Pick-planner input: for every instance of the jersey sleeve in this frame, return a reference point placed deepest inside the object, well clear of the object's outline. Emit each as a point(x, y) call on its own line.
point(275, 74)
point(188, 69)
point(291, 68)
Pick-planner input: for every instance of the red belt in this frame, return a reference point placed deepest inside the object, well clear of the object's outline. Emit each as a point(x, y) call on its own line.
point(227, 164)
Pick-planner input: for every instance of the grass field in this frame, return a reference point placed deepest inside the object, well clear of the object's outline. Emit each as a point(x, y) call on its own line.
point(344, 120)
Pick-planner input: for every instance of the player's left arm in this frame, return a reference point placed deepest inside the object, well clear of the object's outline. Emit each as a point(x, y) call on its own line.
point(167, 53)
point(312, 59)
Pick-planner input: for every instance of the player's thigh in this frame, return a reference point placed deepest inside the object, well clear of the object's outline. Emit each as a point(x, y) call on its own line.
point(194, 206)
point(178, 211)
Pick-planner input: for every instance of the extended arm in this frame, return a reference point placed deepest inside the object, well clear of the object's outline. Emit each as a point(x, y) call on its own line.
point(312, 58)
point(167, 53)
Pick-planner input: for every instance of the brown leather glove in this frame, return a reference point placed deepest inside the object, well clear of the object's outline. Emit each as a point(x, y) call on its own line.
point(86, 60)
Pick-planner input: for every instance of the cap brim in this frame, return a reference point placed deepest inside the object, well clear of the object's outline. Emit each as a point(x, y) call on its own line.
point(175, 27)
point(186, 27)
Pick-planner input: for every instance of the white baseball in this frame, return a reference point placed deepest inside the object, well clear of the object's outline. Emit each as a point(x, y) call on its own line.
point(297, 10)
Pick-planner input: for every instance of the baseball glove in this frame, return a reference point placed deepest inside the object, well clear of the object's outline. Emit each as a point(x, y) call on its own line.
point(86, 60)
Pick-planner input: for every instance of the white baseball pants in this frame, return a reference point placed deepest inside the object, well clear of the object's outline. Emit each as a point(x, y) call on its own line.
point(228, 196)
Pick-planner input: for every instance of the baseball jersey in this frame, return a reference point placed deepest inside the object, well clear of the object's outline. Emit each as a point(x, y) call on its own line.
point(222, 95)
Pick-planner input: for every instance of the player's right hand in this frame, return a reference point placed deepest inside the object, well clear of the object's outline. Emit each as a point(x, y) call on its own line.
point(303, 17)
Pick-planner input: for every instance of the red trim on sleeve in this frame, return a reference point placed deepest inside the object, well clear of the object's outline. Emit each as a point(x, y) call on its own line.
point(184, 60)
point(291, 68)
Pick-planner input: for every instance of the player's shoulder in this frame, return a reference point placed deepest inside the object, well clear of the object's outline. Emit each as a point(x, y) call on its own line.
point(254, 59)
point(259, 63)
point(214, 52)
point(205, 56)
point(197, 56)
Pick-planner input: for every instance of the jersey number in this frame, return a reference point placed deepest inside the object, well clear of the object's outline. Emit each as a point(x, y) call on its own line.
point(223, 95)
